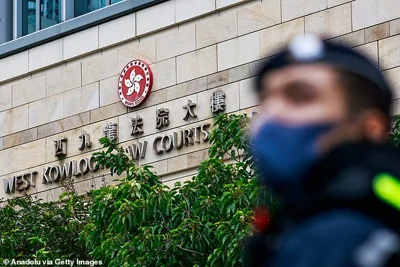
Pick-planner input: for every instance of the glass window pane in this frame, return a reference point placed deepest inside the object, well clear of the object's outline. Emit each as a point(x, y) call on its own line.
point(28, 16)
point(115, 1)
point(86, 6)
point(49, 13)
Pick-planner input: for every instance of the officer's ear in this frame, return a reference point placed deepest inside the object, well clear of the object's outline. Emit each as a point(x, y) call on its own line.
point(374, 125)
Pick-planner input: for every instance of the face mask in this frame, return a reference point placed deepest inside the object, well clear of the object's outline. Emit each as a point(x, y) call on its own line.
point(284, 154)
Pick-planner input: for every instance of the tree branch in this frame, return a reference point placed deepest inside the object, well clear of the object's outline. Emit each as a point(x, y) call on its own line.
point(189, 250)
point(187, 204)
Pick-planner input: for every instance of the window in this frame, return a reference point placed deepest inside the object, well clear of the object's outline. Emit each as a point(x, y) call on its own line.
point(85, 6)
point(35, 15)
point(49, 13)
point(28, 16)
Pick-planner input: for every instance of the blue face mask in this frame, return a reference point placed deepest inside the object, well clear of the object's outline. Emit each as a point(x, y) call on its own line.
point(284, 154)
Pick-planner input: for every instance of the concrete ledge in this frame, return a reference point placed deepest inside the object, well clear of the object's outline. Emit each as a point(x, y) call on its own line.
point(97, 30)
point(74, 25)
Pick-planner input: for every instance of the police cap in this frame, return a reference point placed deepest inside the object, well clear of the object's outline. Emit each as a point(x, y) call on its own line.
point(310, 49)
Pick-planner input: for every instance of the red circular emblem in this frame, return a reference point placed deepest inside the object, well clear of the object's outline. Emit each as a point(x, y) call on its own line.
point(134, 83)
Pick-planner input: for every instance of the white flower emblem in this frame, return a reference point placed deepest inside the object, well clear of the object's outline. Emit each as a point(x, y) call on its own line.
point(133, 82)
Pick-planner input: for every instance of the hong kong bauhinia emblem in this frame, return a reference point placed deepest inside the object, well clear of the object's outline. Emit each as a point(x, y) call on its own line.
point(134, 83)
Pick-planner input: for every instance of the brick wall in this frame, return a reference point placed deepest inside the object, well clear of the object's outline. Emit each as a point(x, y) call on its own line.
point(194, 47)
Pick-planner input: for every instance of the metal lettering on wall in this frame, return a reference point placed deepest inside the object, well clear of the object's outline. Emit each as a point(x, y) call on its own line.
point(165, 143)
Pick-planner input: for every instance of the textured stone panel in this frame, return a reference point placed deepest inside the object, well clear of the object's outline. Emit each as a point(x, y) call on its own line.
point(27, 155)
point(5, 97)
point(370, 50)
point(332, 3)
point(370, 12)
point(81, 43)
point(336, 40)
point(46, 54)
point(196, 86)
point(377, 32)
point(20, 138)
point(217, 79)
point(353, 39)
point(144, 49)
point(248, 96)
point(196, 64)
point(13, 120)
point(63, 78)
point(63, 125)
point(5, 163)
point(81, 99)
point(176, 91)
point(185, 10)
point(256, 65)
point(258, 15)
point(232, 100)
point(177, 164)
point(195, 158)
point(393, 76)
point(107, 112)
point(394, 27)
point(176, 41)
point(186, 88)
point(117, 30)
point(109, 91)
point(13, 66)
point(238, 51)
point(46, 110)
point(160, 167)
point(330, 23)
point(396, 107)
point(99, 67)
point(273, 39)
point(216, 28)
point(226, 3)
point(297, 8)
point(389, 52)
point(239, 73)
point(164, 74)
point(155, 98)
point(155, 17)
point(29, 90)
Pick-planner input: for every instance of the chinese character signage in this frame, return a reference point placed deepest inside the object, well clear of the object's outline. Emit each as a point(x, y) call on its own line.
point(218, 102)
point(134, 87)
point(85, 141)
point(189, 110)
point(137, 124)
point(61, 147)
point(162, 118)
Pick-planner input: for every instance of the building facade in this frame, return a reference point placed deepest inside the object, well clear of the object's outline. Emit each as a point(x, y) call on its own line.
point(150, 74)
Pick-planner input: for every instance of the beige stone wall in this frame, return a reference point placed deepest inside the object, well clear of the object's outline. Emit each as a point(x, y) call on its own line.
point(194, 47)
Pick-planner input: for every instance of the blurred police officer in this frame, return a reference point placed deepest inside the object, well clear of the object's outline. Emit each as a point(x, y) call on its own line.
point(320, 142)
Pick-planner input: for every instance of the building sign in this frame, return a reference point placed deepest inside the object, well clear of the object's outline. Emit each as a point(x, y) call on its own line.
point(77, 168)
point(134, 83)
point(134, 86)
